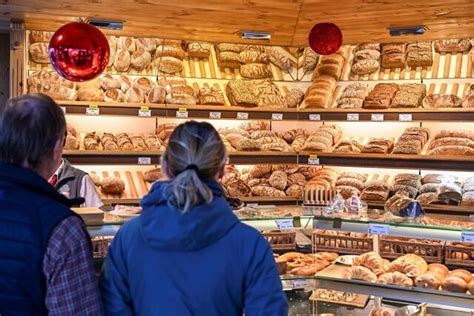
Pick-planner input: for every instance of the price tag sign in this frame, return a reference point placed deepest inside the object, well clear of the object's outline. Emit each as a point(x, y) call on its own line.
point(277, 116)
point(144, 111)
point(64, 109)
point(242, 116)
point(299, 284)
point(252, 205)
point(93, 109)
point(144, 160)
point(467, 236)
point(405, 117)
point(376, 117)
point(313, 160)
point(315, 117)
point(182, 113)
point(284, 224)
point(215, 115)
point(378, 229)
point(353, 116)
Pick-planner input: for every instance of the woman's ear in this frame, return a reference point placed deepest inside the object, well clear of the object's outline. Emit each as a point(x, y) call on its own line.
point(221, 172)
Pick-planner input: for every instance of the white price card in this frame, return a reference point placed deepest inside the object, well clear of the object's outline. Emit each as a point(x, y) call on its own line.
point(93, 109)
point(182, 113)
point(252, 205)
point(284, 223)
point(144, 111)
point(242, 116)
point(378, 229)
point(471, 217)
point(467, 236)
point(215, 115)
point(144, 160)
point(405, 117)
point(277, 116)
point(353, 116)
point(299, 284)
point(315, 117)
point(377, 117)
point(64, 109)
point(313, 160)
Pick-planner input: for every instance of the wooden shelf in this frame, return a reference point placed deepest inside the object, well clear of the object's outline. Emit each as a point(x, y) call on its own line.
point(459, 163)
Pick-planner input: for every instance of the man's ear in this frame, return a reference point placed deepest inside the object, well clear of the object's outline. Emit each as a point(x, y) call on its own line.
point(58, 150)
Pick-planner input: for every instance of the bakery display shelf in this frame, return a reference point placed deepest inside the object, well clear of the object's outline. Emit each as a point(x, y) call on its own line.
point(400, 229)
point(459, 163)
point(330, 279)
point(111, 108)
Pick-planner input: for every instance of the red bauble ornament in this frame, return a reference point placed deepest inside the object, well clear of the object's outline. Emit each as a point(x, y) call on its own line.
point(79, 51)
point(325, 38)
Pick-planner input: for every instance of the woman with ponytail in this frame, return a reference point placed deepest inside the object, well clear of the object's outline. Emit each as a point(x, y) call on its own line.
point(187, 253)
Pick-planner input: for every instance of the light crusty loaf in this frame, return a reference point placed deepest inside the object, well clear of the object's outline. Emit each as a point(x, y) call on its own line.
point(295, 191)
point(296, 178)
point(108, 82)
point(211, 96)
point(122, 60)
point(249, 145)
point(366, 66)
point(95, 95)
point(259, 171)
point(455, 133)
point(229, 47)
point(242, 93)
point(112, 185)
point(333, 70)
point(39, 53)
point(145, 84)
point(442, 101)
point(134, 95)
point(112, 40)
point(40, 36)
point(228, 59)
point(268, 94)
point(452, 45)
point(199, 49)
point(140, 59)
point(366, 54)
point(72, 143)
point(250, 57)
point(147, 44)
point(127, 43)
point(267, 191)
point(279, 57)
point(169, 65)
point(452, 150)
point(58, 92)
point(152, 175)
point(91, 141)
point(170, 51)
point(255, 71)
point(125, 83)
point(278, 180)
point(156, 95)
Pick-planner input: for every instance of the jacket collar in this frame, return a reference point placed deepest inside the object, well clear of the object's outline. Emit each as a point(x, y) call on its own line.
point(12, 176)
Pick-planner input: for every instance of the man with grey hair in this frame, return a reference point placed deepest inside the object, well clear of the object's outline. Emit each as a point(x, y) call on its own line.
point(45, 251)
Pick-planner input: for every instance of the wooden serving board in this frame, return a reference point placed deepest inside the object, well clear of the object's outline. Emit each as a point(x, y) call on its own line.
point(360, 301)
point(89, 214)
point(135, 186)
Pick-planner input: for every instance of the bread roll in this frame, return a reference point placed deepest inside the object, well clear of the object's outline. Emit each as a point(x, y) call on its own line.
point(112, 40)
point(156, 95)
point(108, 82)
point(169, 65)
point(134, 95)
point(140, 59)
point(110, 185)
point(114, 95)
point(126, 43)
point(454, 284)
point(146, 44)
point(461, 273)
point(39, 53)
point(429, 280)
point(122, 60)
point(144, 84)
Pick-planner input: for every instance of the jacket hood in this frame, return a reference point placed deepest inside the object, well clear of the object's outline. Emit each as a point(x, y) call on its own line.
point(15, 177)
point(165, 227)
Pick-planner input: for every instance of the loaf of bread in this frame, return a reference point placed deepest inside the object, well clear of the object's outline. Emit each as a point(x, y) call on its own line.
point(146, 44)
point(127, 43)
point(168, 82)
point(39, 53)
point(242, 93)
point(95, 95)
point(170, 51)
point(71, 143)
point(169, 65)
point(134, 95)
point(442, 101)
point(454, 284)
point(329, 69)
point(199, 49)
point(409, 96)
point(293, 98)
point(144, 84)
point(58, 92)
point(279, 57)
point(267, 191)
point(381, 96)
point(452, 45)
point(310, 59)
point(452, 150)
point(110, 185)
point(109, 142)
point(91, 141)
point(255, 71)
point(228, 59)
point(229, 47)
point(366, 66)
point(114, 95)
point(122, 60)
point(125, 83)
point(250, 57)
point(278, 180)
point(156, 95)
point(259, 171)
point(455, 134)
point(40, 36)
point(140, 59)
point(367, 46)
point(112, 40)
point(108, 82)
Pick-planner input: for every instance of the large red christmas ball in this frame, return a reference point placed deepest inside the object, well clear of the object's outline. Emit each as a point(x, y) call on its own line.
point(325, 38)
point(79, 51)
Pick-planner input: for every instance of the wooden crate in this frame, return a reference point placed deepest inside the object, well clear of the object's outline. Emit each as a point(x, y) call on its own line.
point(341, 242)
point(459, 254)
point(281, 240)
point(394, 247)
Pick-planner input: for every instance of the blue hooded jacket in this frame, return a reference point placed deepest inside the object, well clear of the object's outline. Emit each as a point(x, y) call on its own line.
point(202, 262)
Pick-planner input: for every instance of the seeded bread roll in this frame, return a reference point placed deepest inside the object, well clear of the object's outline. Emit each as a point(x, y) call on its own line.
point(110, 185)
point(199, 49)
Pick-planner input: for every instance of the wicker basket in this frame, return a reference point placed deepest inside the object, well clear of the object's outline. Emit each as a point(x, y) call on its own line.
point(281, 240)
point(394, 247)
point(100, 246)
point(459, 254)
point(342, 242)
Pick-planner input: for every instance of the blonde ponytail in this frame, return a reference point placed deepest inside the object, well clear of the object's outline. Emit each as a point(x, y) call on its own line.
point(195, 151)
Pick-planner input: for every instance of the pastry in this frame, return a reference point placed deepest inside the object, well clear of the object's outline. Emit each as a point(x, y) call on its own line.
point(370, 260)
point(360, 273)
point(395, 278)
point(110, 185)
point(199, 49)
point(410, 264)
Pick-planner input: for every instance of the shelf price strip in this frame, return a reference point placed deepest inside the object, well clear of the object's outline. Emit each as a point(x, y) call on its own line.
point(467, 236)
point(283, 224)
point(405, 117)
point(93, 109)
point(378, 229)
point(277, 116)
point(144, 160)
point(353, 116)
point(299, 284)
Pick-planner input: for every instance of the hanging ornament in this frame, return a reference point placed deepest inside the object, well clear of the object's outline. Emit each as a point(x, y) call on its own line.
point(325, 38)
point(79, 51)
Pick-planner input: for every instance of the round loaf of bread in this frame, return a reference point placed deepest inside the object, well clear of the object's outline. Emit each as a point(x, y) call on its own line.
point(152, 175)
point(111, 185)
point(351, 182)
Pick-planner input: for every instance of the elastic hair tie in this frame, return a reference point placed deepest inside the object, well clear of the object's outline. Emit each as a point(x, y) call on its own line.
point(192, 167)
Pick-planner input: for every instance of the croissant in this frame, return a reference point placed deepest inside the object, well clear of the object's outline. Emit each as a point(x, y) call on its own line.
point(371, 260)
point(412, 265)
point(360, 273)
point(395, 278)
point(429, 280)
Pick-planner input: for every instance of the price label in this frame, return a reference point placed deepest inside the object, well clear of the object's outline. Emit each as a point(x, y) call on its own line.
point(277, 116)
point(467, 236)
point(471, 217)
point(252, 205)
point(93, 109)
point(313, 160)
point(182, 113)
point(242, 116)
point(315, 117)
point(144, 111)
point(284, 224)
point(353, 116)
point(299, 284)
point(405, 117)
point(378, 229)
point(215, 115)
point(144, 160)
point(376, 117)
point(63, 108)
